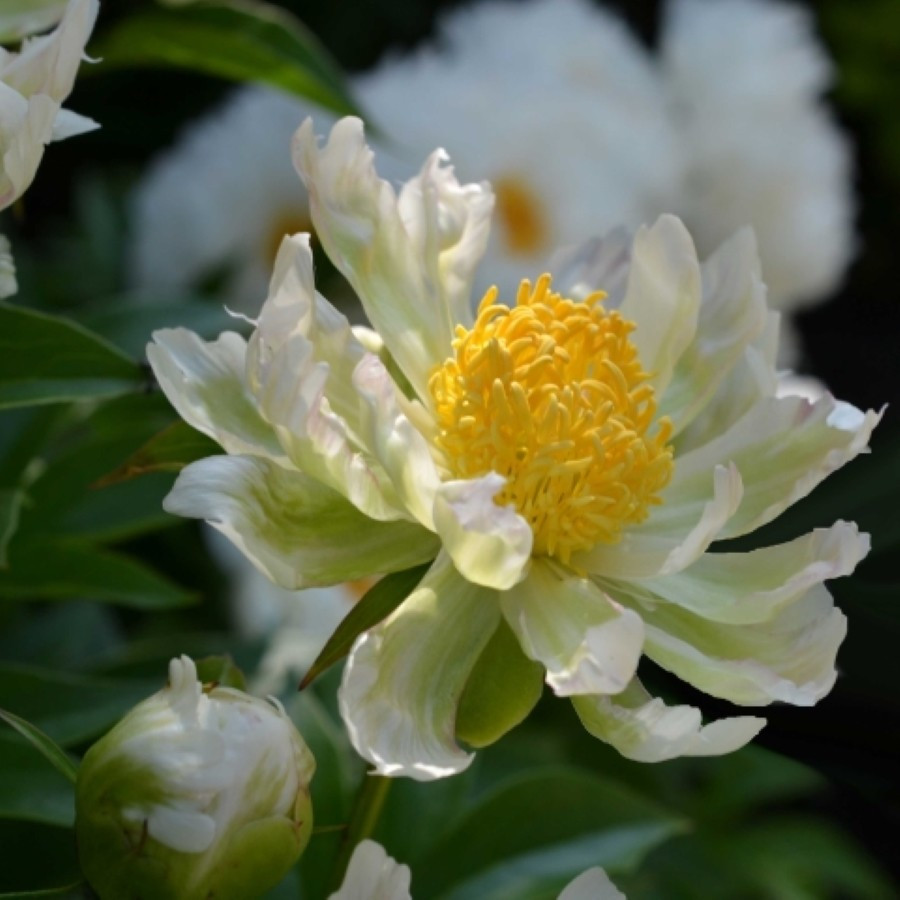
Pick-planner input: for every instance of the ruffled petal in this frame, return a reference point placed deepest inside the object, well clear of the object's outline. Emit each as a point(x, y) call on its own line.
point(663, 297)
point(204, 381)
point(644, 729)
point(789, 658)
point(676, 533)
point(587, 642)
point(410, 259)
point(294, 529)
point(749, 588)
point(594, 884)
point(373, 875)
point(732, 314)
point(404, 678)
point(783, 448)
point(600, 264)
point(489, 544)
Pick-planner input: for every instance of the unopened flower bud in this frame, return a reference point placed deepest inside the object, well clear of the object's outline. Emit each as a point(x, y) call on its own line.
point(200, 791)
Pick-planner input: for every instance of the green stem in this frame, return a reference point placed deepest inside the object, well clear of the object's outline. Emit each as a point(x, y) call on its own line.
point(366, 811)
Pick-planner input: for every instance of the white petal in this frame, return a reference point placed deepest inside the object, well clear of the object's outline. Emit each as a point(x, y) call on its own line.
point(675, 534)
point(600, 264)
point(8, 285)
point(410, 260)
point(594, 884)
point(205, 382)
point(373, 875)
point(783, 448)
point(489, 544)
point(296, 530)
point(732, 314)
point(69, 124)
point(404, 678)
point(644, 729)
point(588, 643)
point(663, 297)
point(789, 657)
point(745, 588)
point(26, 126)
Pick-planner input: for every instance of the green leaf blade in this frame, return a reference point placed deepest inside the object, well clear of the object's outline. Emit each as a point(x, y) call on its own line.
point(43, 743)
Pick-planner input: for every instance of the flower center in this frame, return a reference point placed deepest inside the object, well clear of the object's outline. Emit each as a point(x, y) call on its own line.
point(520, 214)
point(551, 395)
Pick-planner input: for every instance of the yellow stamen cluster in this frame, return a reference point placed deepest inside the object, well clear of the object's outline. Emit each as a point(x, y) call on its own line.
point(551, 395)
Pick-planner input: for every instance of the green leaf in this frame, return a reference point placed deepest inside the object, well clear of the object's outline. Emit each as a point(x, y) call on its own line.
point(69, 708)
point(57, 569)
point(32, 791)
point(67, 890)
point(11, 500)
point(169, 451)
point(49, 359)
point(38, 860)
point(553, 819)
point(220, 670)
point(241, 41)
point(377, 604)
point(42, 743)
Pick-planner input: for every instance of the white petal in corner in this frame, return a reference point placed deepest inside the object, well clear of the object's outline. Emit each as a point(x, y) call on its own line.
point(205, 382)
point(588, 643)
point(663, 297)
point(747, 588)
point(783, 448)
point(646, 730)
point(789, 658)
point(296, 530)
point(594, 884)
point(489, 544)
point(404, 678)
point(409, 260)
point(675, 534)
point(373, 875)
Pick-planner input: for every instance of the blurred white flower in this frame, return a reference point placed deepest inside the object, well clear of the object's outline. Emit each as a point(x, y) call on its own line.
point(33, 85)
point(578, 127)
point(199, 791)
point(8, 285)
point(373, 875)
point(563, 460)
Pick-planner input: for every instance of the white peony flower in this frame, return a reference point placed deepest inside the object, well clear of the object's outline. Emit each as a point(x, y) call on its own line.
point(566, 464)
point(373, 875)
point(578, 127)
point(199, 791)
point(33, 85)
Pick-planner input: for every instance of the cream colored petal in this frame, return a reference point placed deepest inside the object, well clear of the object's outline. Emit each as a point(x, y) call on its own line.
point(489, 544)
point(676, 533)
point(644, 729)
point(747, 588)
point(26, 126)
point(594, 884)
point(783, 447)
point(373, 875)
point(294, 529)
point(404, 678)
point(205, 382)
point(663, 297)
point(587, 642)
point(790, 657)
point(409, 259)
point(732, 315)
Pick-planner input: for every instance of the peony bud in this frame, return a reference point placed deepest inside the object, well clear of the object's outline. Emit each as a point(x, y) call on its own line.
point(200, 791)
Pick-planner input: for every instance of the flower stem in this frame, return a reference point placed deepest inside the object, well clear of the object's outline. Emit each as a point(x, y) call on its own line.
point(366, 811)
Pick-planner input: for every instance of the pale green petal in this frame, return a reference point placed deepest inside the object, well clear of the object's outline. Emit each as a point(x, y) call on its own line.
point(410, 259)
point(732, 315)
point(489, 544)
point(401, 450)
point(747, 588)
point(404, 678)
point(373, 875)
point(644, 729)
point(205, 382)
point(662, 297)
point(594, 884)
point(295, 530)
point(783, 448)
point(587, 642)
point(676, 533)
point(789, 658)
